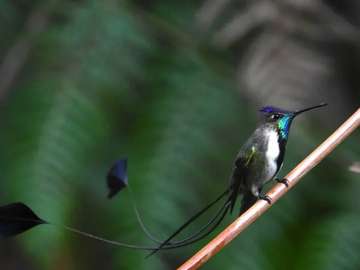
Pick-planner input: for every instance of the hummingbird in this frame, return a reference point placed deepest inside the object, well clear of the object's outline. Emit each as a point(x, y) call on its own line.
point(261, 157)
point(257, 163)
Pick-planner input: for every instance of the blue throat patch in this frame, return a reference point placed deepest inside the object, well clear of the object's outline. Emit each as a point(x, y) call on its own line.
point(284, 126)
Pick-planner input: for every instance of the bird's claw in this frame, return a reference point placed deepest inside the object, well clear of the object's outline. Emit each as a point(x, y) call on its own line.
point(283, 181)
point(265, 198)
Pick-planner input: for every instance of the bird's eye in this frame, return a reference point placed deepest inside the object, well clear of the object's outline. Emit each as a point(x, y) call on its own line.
point(275, 116)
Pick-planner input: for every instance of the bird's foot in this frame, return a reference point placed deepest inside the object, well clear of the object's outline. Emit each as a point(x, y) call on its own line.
point(265, 198)
point(283, 180)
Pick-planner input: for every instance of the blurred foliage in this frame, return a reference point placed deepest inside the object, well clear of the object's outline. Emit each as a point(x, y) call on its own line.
point(108, 79)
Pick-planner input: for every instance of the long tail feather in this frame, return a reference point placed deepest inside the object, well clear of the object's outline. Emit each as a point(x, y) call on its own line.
point(232, 198)
point(203, 228)
point(140, 221)
point(224, 210)
point(34, 220)
point(108, 241)
point(198, 238)
point(183, 241)
point(163, 244)
point(194, 217)
point(247, 201)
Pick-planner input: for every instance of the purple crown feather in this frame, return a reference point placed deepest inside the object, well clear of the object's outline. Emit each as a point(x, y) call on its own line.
point(271, 109)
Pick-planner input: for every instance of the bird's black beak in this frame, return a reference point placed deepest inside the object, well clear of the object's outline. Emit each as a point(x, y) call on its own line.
point(310, 108)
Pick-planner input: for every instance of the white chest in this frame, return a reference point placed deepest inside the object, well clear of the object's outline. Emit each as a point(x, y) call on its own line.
point(273, 149)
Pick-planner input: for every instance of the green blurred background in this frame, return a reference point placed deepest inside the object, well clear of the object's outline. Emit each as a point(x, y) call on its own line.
point(175, 86)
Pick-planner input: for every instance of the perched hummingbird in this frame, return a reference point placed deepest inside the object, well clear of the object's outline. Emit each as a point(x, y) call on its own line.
point(261, 157)
point(258, 162)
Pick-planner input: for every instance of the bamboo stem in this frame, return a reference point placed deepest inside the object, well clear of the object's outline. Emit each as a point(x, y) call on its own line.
point(242, 222)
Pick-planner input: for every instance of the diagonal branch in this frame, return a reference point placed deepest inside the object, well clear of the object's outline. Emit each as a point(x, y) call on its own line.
point(241, 223)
